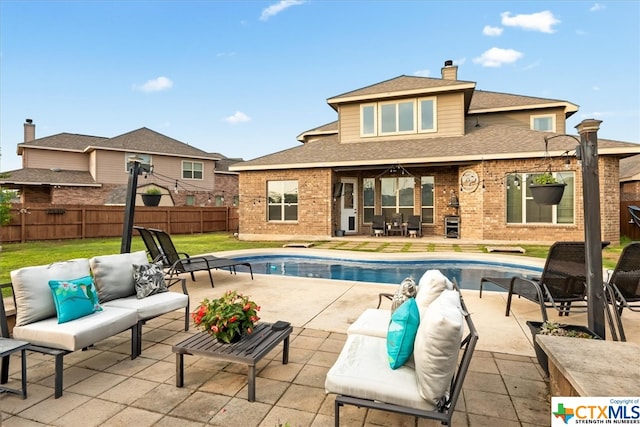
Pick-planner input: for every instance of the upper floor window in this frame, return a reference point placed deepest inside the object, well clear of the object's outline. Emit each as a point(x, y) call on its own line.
point(398, 117)
point(282, 201)
point(192, 170)
point(545, 123)
point(143, 159)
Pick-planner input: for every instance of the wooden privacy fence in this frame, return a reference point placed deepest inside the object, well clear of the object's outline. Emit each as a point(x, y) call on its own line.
point(46, 222)
point(628, 228)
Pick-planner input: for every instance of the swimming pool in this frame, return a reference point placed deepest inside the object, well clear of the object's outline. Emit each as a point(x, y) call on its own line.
point(467, 273)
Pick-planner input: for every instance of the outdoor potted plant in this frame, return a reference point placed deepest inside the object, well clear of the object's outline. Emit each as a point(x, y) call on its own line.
point(555, 329)
point(546, 190)
point(228, 317)
point(151, 196)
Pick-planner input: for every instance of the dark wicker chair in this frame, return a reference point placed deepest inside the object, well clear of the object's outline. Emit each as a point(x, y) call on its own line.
point(378, 227)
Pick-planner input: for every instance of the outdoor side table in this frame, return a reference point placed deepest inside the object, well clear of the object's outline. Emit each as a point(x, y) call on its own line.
point(8, 346)
point(249, 350)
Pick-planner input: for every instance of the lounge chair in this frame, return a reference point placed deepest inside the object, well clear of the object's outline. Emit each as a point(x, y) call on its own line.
point(635, 214)
point(562, 284)
point(414, 226)
point(153, 250)
point(378, 227)
point(180, 262)
point(624, 281)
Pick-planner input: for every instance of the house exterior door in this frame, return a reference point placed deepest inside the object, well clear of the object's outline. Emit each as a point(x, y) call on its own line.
point(349, 205)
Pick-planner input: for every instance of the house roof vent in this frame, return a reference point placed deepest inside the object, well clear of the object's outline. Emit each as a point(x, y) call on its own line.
point(448, 63)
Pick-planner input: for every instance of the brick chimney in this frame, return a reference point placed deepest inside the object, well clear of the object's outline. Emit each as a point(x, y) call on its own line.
point(29, 131)
point(449, 71)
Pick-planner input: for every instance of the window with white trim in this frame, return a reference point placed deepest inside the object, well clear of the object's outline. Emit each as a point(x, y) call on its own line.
point(143, 159)
point(192, 170)
point(398, 117)
point(427, 114)
point(397, 196)
point(522, 209)
point(427, 184)
point(368, 121)
point(368, 198)
point(544, 123)
point(282, 201)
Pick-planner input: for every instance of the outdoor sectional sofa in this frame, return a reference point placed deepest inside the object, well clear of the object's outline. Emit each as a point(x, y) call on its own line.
point(429, 383)
point(68, 306)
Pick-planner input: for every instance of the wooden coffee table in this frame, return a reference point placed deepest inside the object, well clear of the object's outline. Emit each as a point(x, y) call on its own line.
point(249, 351)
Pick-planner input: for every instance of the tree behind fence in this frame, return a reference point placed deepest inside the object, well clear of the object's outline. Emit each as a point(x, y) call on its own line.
point(46, 222)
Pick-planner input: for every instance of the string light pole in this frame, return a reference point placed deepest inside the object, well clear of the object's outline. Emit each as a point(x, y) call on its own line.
point(130, 207)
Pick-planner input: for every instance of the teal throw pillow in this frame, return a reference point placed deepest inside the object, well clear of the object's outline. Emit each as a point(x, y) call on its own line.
point(402, 332)
point(74, 298)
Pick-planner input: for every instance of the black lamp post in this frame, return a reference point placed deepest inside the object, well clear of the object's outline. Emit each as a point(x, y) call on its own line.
point(129, 211)
point(587, 152)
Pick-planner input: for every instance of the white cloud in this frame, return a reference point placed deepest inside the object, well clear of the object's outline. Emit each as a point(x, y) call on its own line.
point(238, 117)
point(274, 9)
point(422, 73)
point(490, 31)
point(225, 54)
point(156, 85)
point(540, 21)
point(597, 7)
point(595, 88)
point(496, 57)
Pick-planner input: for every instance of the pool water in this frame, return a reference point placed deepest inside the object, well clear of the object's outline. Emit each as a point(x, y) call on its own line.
point(467, 273)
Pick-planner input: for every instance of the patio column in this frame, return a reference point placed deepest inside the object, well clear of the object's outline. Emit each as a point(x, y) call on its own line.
point(588, 130)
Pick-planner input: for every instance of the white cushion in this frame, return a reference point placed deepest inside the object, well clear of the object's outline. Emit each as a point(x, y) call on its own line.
point(430, 286)
point(362, 370)
point(151, 306)
point(113, 274)
point(34, 300)
point(78, 333)
point(437, 345)
point(373, 322)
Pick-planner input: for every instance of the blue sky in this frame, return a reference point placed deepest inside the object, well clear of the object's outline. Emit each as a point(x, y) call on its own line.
point(244, 78)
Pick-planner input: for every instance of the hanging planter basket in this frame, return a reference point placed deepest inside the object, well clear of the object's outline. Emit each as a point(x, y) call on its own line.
point(151, 199)
point(547, 194)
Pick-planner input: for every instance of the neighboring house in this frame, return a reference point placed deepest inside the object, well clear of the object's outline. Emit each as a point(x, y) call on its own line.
point(226, 182)
point(80, 169)
point(458, 157)
point(630, 179)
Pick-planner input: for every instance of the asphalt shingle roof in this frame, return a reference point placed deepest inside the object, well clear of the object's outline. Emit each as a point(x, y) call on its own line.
point(35, 176)
point(479, 142)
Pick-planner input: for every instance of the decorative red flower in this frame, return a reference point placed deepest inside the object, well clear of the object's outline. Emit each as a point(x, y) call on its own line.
point(230, 315)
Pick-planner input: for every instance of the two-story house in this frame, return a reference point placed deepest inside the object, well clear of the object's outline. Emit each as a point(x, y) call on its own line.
point(69, 168)
point(460, 158)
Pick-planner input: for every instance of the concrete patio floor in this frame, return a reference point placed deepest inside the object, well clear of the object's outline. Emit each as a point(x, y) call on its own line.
point(102, 386)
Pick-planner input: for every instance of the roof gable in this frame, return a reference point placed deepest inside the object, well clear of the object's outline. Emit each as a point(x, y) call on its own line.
point(401, 86)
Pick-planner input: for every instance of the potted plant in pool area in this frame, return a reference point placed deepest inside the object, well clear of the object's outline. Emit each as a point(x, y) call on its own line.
point(228, 317)
point(152, 196)
point(555, 329)
point(546, 190)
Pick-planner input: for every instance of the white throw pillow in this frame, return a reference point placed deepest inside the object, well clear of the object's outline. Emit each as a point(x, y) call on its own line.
point(34, 300)
point(430, 286)
point(437, 346)
point(113, 274)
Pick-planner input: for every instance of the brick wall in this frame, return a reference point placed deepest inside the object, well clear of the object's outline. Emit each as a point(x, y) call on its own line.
point(314, 208)
point(482, 212)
